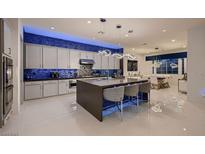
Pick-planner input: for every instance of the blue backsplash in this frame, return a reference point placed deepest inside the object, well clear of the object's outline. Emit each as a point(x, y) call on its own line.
point(43, 74)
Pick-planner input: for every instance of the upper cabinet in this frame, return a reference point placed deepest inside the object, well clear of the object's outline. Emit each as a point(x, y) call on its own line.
point(83, 55)
point(117, 63)
point(111, 62)
point(105, 62)
point(86, 55)
point(38, 56)
point(33, 56)
point(50, 57)
point(90, 55)
point(74, 59)
point(63, 58)
point(7, 38)
point(98, 60)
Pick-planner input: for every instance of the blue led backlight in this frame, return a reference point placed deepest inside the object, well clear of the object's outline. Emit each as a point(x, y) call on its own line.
point(68, 37)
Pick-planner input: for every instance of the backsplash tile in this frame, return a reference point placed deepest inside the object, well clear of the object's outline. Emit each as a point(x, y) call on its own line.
point(43, 74)
point(38, 74)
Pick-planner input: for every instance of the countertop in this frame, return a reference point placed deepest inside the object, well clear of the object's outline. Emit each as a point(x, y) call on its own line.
point(112, 82)
point(31, 80)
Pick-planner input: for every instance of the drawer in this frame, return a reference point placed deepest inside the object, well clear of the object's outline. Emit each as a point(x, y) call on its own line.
point(50, 82)
point(33, 82)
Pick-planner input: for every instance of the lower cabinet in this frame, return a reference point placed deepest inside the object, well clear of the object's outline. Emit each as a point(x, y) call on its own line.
point(33, 90)
point(63, 87)
point(50, 88)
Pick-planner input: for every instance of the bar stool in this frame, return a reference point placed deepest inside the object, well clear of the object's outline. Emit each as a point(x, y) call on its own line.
point(145, 88)
point(116, 95)
point(132, 92)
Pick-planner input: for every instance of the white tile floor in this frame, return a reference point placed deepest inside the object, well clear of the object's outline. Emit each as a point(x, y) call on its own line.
point(62, 116)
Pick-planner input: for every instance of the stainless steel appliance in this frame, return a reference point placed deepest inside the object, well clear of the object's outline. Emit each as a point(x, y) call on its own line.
point(6, 87)
point(85, 67)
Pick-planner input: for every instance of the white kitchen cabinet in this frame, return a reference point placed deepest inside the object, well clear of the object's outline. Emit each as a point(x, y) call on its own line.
point(7, 38)
point(50, 88)
point(111, 62)
point(74, 59)
point(63, 55)
point(50, 57)
point(83, 55)
point(117, 63)
point(86, 55)
point(33, 56)
point(90, 55)
point(33, 90)
point(105, 62)
point(97, 60)
point(63, 87)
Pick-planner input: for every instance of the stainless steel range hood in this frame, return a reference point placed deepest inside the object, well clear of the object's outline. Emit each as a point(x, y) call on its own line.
point(87, 62)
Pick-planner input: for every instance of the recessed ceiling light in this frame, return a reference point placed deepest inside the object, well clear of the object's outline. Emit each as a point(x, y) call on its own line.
point(133, 48)
point(184, 129)
point(52, 27)
point(173, 40)
point(89, 22)
point(126, 35)
point(164, 30)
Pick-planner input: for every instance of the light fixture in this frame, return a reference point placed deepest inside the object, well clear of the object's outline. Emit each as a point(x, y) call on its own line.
point(89, 22)
point(105, 52)
point(52, 27)
point(164, 30)
point(133, 48)
point(173, 65)
point(173, 40)
point(126, 35)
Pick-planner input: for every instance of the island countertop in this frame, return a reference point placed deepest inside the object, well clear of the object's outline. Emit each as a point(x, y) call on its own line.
point(90, 93)
point(106, 83)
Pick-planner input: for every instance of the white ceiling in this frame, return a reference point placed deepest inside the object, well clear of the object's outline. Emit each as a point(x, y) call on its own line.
point(144, 31)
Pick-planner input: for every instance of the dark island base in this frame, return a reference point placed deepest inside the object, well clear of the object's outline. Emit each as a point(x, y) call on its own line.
point(90, 96)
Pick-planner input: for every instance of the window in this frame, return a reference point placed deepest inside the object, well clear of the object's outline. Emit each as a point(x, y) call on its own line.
point(165, 66)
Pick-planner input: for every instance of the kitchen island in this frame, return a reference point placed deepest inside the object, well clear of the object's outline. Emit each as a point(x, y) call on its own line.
point(90, 93)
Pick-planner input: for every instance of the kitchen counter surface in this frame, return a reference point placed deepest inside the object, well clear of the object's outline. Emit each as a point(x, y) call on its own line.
point(32, 80)
point(105, 83)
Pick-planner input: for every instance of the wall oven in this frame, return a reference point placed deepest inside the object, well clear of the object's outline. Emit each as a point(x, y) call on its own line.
point(6, 87)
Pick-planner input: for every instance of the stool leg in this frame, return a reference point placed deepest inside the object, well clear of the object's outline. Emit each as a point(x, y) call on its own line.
point(121, 113)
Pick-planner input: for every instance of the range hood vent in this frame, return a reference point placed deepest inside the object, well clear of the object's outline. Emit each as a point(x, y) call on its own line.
point(87, 62)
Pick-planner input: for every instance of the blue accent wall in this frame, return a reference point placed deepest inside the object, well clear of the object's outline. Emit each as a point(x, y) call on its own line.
point(167, 56)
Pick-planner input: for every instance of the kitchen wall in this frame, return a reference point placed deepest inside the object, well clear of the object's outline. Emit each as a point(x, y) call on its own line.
point(196, 63)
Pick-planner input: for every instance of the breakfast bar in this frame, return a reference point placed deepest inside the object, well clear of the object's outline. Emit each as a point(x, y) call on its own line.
point(90, 93)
